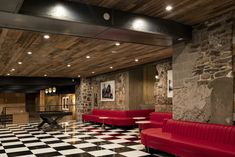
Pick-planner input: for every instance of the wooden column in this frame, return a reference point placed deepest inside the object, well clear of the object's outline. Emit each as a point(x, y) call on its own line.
point(42, 103)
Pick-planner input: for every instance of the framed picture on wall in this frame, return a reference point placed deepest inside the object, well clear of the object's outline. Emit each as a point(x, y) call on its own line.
point(169, 84)
point(108, 91)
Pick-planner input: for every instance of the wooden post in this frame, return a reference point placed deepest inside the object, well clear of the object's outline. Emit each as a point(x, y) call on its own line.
point(42, 104)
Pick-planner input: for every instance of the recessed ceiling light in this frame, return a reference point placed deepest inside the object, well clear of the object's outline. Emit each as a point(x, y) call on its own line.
point(68, 65)
point(20, 63)
point(8, 74)
point(117, 44)
point(12, 69)
point(114, 51)
point(180, 39)
point(46, 36)
point(92, 72)
point(79, 75)
point(88, 57)
point(29, 53)
point(169, 8)
point(136, 60)
point(45, 75)
point(111, 67)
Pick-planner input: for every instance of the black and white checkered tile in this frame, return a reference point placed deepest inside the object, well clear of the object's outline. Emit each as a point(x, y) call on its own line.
point(77, 139)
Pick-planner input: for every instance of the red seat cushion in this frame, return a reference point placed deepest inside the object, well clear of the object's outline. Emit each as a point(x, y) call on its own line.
point(116, 117)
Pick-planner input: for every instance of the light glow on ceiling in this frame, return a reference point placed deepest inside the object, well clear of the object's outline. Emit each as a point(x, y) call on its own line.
point(139, 24)
point(46, 36)
point(169, 8)
point(59, 11)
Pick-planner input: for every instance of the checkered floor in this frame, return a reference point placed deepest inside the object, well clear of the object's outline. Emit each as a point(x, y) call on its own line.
point(76, 140)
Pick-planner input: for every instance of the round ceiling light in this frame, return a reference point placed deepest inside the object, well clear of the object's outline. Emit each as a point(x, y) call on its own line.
point(117, 44)
point(46, 36)
point(169, 8)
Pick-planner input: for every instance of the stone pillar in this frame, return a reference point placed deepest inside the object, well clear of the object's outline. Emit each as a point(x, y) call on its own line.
point(162, 102)
point(83, 97)
point(202, 72)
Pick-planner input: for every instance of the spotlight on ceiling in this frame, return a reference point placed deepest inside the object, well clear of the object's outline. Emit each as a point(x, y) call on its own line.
point(68, 65)
point(169, 8)
point(45, 75)
point(46, 36)
point(19, 63)
point(111, 67)
point(88, 57)
point(136, 60)
point(29, 53)
point(92, 72)
point(117, 44)
point(114, 51)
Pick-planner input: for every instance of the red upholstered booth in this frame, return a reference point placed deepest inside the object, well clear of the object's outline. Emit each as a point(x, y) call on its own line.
point(156, 119)
point(191, 139)
point(116, 117)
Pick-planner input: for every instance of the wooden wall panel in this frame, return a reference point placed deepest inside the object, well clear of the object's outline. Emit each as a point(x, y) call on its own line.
point(149, 80)
point(136, 88)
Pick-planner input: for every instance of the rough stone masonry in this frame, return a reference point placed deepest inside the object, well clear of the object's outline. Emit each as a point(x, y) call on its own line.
point(202, 72)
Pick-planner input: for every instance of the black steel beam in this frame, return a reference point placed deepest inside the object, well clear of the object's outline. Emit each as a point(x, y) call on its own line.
point(72, 18)
point(41, 81)
point(35, 84)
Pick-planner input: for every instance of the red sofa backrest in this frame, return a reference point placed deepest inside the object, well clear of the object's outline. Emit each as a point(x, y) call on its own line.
point(139, 113)
point(122, 113)
point(204, 131)
point(160, 116)
point(109, 113)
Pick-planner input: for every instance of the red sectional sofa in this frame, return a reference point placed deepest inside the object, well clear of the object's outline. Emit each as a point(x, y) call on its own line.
point(116, 117)
point(191, 139)
point(156, 119)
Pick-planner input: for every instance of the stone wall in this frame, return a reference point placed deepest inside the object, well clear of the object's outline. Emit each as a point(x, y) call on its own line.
point(234, 61)
point(202, 72)
point(121, 91)
point(162, 102)
point(129, 90)
point(83, 94)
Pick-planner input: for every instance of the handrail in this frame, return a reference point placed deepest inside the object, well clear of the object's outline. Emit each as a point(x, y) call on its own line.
point(55, 107)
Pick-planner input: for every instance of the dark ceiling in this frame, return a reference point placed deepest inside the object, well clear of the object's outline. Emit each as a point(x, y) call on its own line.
point(189, 12)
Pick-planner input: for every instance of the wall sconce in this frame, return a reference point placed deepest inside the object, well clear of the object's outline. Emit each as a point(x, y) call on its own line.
point(53, 89)
point(157, 76)
point(50, 90)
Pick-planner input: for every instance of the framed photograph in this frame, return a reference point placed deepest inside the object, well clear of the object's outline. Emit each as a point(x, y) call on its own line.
point(169, 84)
point(108, 91)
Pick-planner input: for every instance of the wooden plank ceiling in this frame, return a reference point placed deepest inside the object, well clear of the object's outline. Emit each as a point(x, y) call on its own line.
point(184, 11)
point(51, 56)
